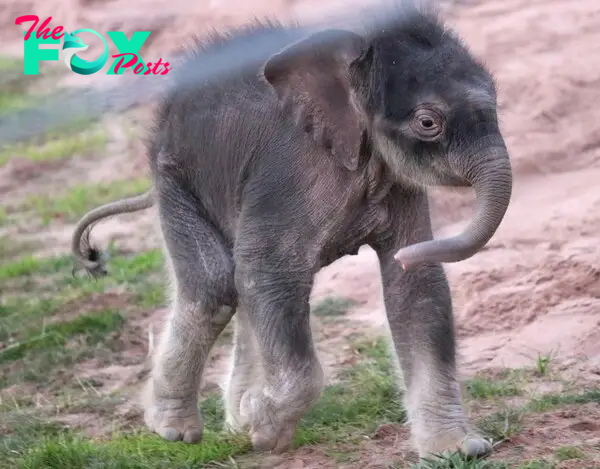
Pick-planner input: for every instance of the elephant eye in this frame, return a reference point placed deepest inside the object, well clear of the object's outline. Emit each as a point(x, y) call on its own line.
point(427, 124)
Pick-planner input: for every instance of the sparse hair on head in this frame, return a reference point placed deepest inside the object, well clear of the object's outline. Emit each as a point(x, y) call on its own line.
point(395, 13)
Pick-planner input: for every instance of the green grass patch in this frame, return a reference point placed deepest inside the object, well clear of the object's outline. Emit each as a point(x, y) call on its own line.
point(56, 287)
point(10, 64)
point(504, 424)
point(458, 461)
point(366, 398)
point(31, 265)
point(548, 402)
point(152, 294)
point(536, 464)
point(542, 363)
point(141, 451)
point(19, 432)
point(59, 346)
point(93, 326)
point(13, 86)
point(564, 453)
point(11, 247)
point(376, 349)
point(36, 340)
point(11, 101)
point(56, 147)
point(508, 422)
point(35, 444)
point(484, 388)
point(130, 268)
point(132, 452)
point(346, 412)
point(122, 268)
point(78, 200)
point(52, 277)
point(332, 306)
point(19, 313)
point(3, 217)
point(455, 461)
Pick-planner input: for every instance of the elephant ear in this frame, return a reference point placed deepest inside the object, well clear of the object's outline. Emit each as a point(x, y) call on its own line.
point(312, 78)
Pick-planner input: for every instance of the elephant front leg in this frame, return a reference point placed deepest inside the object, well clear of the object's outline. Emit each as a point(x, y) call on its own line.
point(419, 312)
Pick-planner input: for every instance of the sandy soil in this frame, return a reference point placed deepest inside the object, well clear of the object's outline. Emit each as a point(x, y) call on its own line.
point(536, 288)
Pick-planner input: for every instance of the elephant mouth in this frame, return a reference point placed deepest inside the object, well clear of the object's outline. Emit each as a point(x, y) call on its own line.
point(450, 179)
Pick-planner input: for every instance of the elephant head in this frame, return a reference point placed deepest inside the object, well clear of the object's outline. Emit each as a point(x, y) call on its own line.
point(425, 104)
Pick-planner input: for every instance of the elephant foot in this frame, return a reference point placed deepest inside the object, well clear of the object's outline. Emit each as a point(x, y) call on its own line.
point(269, 429)
point(468, 443)
point(174, 419)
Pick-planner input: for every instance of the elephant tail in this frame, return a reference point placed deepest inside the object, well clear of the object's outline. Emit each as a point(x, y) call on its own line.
point(89, 257)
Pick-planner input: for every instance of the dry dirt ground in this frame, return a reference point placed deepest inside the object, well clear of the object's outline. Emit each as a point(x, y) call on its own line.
point(529, 302)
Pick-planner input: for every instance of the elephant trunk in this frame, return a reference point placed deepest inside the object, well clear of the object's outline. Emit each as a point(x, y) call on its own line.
point(490, 174)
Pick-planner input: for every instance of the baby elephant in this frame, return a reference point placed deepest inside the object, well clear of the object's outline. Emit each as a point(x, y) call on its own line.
point(266, 175)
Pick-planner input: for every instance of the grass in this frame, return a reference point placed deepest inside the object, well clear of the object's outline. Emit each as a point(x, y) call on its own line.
point(41, 337)
point(508, 422)
point(364, 400)
point(12, 247)
point(13, 96)
point(29, 265)
point(40, 353)
point(484, 388)
point(3, 216)
point(333, 306)
point(56, 448)
point(11, 102)
point(543, 363)
point(550, 401)
point(537, 464)
point(67, 320)
point(56, 146)
point(17, 93)
point(565, 453)
point(78, 200)
point(503, 424)
point(54, 275)
point(93, 326)
point(456, 461)
point(346, 412)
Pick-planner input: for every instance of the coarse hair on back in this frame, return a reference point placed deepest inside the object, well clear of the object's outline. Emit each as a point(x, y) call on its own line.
point(237, 51)
point(220, 58)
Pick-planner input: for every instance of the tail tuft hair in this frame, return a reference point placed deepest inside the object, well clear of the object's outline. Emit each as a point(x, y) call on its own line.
point(88, 257)
point(92, 259)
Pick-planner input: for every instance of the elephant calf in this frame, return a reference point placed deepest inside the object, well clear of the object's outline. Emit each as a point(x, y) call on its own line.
point(265, 176)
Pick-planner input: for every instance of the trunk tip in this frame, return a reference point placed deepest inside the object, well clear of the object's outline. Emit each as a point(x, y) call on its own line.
point(398, 257)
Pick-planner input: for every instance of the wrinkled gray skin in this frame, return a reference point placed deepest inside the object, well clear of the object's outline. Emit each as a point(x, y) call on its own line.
point(264, 178)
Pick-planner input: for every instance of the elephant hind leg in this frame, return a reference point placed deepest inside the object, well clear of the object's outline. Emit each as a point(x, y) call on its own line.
point(203, 301)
